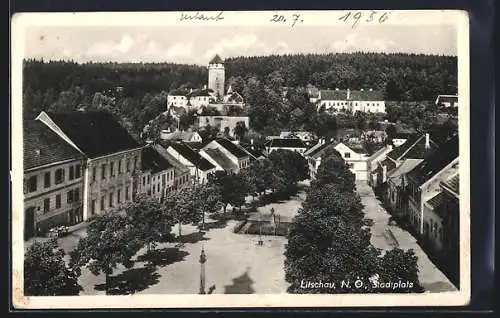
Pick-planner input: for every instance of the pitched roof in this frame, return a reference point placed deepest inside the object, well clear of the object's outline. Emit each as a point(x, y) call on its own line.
point(319, 149)
point(413, 147)
point(355, 95)
point(221, 159)
point(195, 158)
point(388, 163)
point(42, 146)
point(437, 200)
point(234, 149)
point(216, 60)
point(199, 92)
point(178, 166)
point(436, 161)
point(152, 160)
point(453, 184)
point(179, 92)
point(403, 169)
point(447, 99)
point(96, 133)
point(287, 143)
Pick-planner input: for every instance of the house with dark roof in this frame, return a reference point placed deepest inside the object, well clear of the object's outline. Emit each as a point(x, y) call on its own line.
point(112, 157)
point(199, 167)
point(396, 191)
point(368, 101)
point(447, 101)
point(425, 179)
point(53, 180)
point(178, 135)
point(292, 144)
point(356, 156)
point(417, 147)
point(182, 176)
point(236, 154)
point(219, 159)
point(374, 161)
point(157, 174)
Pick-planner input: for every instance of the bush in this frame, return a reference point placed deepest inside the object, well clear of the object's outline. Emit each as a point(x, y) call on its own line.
point(268, 229)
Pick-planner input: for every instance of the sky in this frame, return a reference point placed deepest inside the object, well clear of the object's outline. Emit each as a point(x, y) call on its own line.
point(195, 45)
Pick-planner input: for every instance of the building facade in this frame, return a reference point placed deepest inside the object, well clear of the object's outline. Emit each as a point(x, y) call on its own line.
point(216, 77)
point(113, 157)
point(368, 101)
point(356, 158)
point(53, 182)
point(158, 175)
point(199, 167)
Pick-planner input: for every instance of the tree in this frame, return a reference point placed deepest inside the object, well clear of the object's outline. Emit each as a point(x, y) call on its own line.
point(110, 240)
point(399, 265)
point(46, 273)
point(289, 168)
point(240, 130)
point(231, 188)
point(149, 219)
point(333, 169)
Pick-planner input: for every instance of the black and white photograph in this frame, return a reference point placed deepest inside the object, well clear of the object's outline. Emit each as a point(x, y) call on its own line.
point(211, 158)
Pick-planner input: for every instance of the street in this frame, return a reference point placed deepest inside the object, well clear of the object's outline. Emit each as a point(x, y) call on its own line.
point(386, 237)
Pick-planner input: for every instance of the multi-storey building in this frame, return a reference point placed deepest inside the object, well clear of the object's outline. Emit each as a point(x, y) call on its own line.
point(224, 148)
point(199, 167)
point(158, 175)
point(113, 158)
point(53, 183)
point(368, 101)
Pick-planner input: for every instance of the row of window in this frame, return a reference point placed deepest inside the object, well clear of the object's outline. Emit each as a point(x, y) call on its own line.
point(112, 170)
point(166, 177)
point(31, 185)
point(111, 195)
point(72, 196)
point(346, 104)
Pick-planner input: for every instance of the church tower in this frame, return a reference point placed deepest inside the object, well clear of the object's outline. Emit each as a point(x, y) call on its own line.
point(216, 77)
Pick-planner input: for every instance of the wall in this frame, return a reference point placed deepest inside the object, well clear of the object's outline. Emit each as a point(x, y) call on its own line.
point(299, 150)
point(67, 213)
point(216, 78)
point(178, 101)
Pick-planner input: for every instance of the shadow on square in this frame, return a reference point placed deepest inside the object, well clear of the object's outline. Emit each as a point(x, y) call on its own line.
point(130, 281)
point(163, 257)
point(241, 285)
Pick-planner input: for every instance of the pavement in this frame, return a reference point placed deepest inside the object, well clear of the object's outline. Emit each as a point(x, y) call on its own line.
point(386, 237)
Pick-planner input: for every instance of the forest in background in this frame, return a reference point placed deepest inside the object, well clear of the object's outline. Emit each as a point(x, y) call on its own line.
point(136, 92)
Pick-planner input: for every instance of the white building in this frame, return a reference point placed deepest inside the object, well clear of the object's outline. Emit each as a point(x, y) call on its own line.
point(368, 101)
point(199, 167)
point(357, 159)
point(292, 144)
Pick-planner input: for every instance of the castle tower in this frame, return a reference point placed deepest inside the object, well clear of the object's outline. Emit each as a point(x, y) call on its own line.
point(216, 76)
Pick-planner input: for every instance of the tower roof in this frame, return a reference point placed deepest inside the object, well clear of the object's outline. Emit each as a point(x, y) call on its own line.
point(216, 60)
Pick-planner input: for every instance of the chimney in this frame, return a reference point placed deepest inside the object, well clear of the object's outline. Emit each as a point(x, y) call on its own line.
point(427, 141)
point(348, 93)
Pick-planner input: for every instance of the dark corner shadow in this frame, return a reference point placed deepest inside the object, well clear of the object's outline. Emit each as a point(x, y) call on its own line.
point(130, 281)
point(163, 257)
point(194, 237)
point(241, 285)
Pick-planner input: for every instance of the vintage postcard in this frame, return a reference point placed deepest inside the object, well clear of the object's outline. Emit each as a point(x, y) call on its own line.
point(240, 159)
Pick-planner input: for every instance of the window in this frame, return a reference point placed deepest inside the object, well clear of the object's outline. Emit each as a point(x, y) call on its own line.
point(347, 155)
point(46, 179)
point(158, 186)
point(69, 196)
point(128, 165)
point(94, 173)
point(119, 195)
point(127, 193)
point(163, 179)
point(103, 171)
point(71, 172)
point(149, 179)
point(76, 195)
point(46, 205)
point(78, 171)
point(154, 190)
point(143, 181)
point(111, 199)
point(59, 176)
point(58, 201)
point(119, 166)
point(112, 169)
point(135, 162)
point(102, 203)
point(32, 183)
point(92, 207)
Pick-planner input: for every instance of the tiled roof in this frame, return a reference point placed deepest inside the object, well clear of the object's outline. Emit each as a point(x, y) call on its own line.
point(318, 149)
point(96, 133)
point(195, 158)
point(152, 160)
point(234, 149)
point(403, 169)
point(171, 159)
point(435, 161)
point(216, 60)
point(453, 184)
point(437, 200)
point(221, 159)
point(355, 95)
point(412, 148)
point(388, 163)
point(286, 143)
point(42, 146)
point(180, 135)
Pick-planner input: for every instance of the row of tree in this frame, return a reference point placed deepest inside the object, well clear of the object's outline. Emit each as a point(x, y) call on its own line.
point(114, 238)
point(329, 241)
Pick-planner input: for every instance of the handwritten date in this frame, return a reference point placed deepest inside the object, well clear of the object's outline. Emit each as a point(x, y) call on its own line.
point(358, 17)
point(294, 19)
